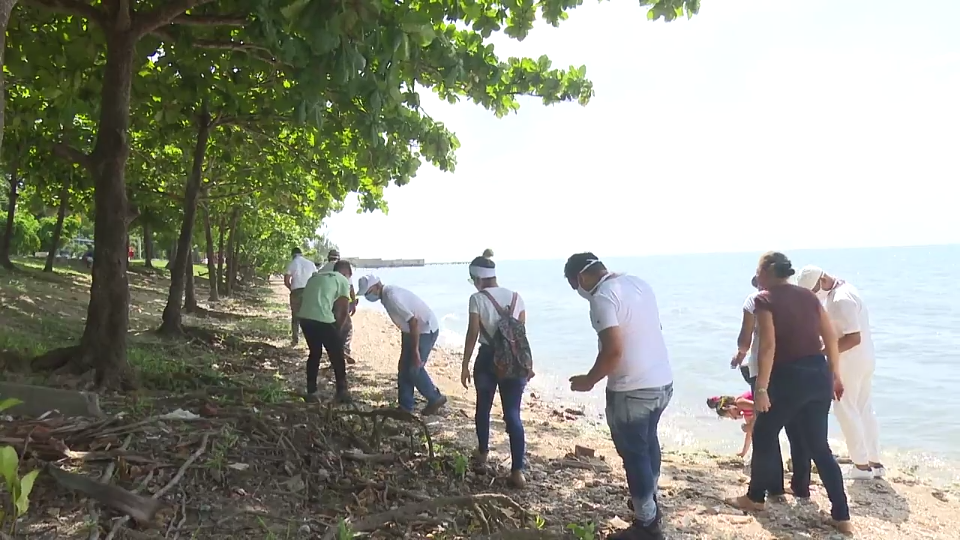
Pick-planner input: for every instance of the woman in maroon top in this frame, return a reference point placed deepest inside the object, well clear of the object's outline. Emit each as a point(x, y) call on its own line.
point(795, 386)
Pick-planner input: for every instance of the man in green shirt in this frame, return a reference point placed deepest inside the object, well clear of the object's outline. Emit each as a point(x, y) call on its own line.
point(325, 308)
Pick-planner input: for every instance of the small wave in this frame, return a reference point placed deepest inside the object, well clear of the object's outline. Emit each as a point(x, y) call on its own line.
point(451, 332)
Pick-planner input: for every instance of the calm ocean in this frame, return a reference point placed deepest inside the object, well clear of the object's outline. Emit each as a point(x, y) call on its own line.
point(915, 321)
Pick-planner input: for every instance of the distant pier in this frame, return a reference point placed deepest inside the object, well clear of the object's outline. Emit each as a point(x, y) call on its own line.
point(384, 263)
point(397, 263)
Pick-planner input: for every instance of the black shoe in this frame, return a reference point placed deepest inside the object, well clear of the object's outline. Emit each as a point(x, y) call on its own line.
point(343, 396)
point(312, 397)
point(639, 531)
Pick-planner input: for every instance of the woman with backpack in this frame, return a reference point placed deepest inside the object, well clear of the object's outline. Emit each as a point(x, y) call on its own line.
point(504, 362)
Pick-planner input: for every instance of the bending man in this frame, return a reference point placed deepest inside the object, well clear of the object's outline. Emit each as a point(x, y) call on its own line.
point(854, 410)
point(326, 302)
point(419, 330)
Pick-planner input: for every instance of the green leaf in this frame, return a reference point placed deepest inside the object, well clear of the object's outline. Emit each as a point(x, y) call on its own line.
point(292, 11)
point(9, 403)
point(26, 486)
point(9, 463)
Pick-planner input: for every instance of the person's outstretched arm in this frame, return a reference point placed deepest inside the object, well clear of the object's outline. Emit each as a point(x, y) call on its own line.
point(747, 436)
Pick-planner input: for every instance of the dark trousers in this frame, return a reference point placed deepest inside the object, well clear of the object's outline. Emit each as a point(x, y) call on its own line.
point(801, 392)
point(347, 333)
point(320, 336)
point(745, 373)
point(296, 300)
point(511, 394)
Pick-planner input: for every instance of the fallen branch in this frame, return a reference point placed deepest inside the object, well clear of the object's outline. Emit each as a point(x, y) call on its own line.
point(104, 479)
point(412, 511)
point(395, 414)
point(173, 482)
point(139, 508)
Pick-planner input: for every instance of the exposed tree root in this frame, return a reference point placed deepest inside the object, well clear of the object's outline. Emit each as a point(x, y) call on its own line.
point(492, 502)
point(379, 415)
point(56, 358)
point(74, 360)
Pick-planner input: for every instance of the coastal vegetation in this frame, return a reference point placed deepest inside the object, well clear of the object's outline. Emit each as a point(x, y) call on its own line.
point(235, 126)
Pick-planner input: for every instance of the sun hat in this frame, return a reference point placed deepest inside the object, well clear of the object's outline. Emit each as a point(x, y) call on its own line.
point(809, 276)
point(365, 283)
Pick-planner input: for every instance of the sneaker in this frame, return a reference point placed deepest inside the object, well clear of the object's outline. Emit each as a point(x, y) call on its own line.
point(879, 471)
point(639, 531)
point(434, 407)
point(859, 474)
point(312, 397)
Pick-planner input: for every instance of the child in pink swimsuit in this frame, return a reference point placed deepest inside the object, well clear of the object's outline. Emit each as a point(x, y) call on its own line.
point(736, 408)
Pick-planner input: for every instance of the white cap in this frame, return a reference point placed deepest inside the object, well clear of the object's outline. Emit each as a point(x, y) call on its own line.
point(809, 276)
point(366, 283)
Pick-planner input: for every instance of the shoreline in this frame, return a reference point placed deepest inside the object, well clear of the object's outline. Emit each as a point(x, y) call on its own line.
point(676, 431)
point(694, 482)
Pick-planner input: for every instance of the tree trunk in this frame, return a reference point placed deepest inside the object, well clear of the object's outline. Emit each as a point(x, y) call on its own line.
point(171, 255)
point(6, 7)
point(230, 254)
point(172, 313)
point(222, 230)
point(190, 298)
point(211, 264)
point(147, 240)
point(104, 341)
point(58, 228)
point(11, 213)
point(233, 264)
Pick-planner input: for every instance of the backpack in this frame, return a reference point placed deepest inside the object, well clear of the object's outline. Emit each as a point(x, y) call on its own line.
point(512, 358)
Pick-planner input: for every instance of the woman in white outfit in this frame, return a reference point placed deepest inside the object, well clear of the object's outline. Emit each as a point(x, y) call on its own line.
point(857, 363)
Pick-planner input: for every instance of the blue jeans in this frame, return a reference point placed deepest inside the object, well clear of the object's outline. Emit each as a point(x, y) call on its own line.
point(511, 393)
point(410, 378)
point(633, 418)
point(801, 392)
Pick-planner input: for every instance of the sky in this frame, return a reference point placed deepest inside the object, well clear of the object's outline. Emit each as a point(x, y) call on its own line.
point(756, 125)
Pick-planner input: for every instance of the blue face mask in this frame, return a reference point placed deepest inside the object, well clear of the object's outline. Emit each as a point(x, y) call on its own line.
point(372, 297)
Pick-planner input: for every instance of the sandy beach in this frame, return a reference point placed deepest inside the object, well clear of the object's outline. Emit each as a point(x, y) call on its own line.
point(694, 483)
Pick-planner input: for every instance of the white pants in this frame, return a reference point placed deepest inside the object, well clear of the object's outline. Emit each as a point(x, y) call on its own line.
point(855, 411)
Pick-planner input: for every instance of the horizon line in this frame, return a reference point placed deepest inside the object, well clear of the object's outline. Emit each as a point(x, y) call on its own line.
point(718, 252)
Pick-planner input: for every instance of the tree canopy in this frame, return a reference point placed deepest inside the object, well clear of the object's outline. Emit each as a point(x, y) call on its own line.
point(257, 117)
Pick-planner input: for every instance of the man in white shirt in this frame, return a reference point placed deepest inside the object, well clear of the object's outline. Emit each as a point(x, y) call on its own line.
point(295, 278)
point(633, 358)
point(854, 410)
point(347, 329)
point(419, 330)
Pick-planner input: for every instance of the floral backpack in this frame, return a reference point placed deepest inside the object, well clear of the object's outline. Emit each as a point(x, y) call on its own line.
point(512, 358)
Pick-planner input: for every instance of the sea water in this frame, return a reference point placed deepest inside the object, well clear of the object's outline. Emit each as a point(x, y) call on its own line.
point(912, 294)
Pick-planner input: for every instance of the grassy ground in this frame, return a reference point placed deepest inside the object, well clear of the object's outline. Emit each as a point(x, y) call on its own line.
point(43, 311)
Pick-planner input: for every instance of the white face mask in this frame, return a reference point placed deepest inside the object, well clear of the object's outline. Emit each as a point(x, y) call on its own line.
point(822, 295)
point(587, 295)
